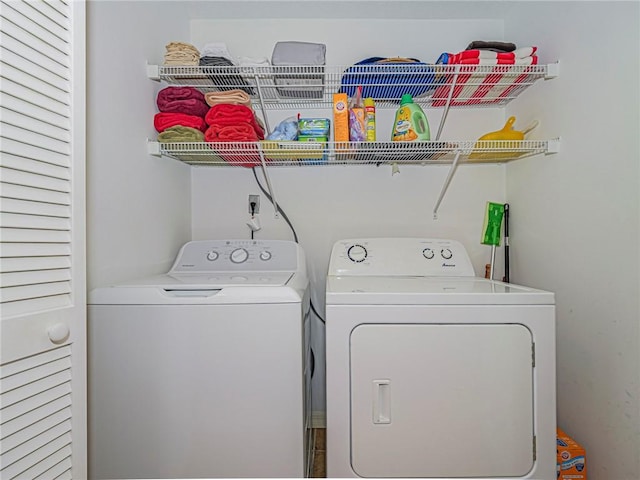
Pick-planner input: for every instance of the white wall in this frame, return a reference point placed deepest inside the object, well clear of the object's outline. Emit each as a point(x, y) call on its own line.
point(575, 214)
point(576, 220)
point(138, 206)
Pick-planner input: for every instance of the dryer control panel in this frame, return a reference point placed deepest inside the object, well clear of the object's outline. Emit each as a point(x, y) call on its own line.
point(423, 257)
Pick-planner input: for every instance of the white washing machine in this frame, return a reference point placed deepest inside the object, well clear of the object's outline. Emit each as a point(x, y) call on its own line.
point(203, 372)
point(433, 372)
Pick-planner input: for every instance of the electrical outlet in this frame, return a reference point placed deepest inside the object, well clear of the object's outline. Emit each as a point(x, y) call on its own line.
point(254, 199)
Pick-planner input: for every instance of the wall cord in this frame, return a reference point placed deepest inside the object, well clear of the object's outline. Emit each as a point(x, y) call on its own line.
point(295, 238)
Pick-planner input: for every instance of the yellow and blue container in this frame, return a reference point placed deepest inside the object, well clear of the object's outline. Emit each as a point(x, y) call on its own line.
point(411, 123)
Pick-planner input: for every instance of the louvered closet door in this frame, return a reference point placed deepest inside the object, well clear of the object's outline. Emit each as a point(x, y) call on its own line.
point(42, 252)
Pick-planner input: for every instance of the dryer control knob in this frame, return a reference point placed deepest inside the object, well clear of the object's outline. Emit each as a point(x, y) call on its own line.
point(239, 255)
point(212, 255)
point(446, 253)
point(428, 253)
point(357, 253)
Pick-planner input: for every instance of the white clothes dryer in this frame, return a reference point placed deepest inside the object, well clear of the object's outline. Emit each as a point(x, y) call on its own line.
point(433, 372)
point(203, 372)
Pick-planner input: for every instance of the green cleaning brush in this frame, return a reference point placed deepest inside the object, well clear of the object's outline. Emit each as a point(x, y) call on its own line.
point(491, 229)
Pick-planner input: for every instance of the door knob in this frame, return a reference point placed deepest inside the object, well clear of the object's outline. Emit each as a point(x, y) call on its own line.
point(58, 333)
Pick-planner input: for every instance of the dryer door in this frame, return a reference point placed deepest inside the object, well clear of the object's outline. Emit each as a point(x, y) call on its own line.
point(441, 400)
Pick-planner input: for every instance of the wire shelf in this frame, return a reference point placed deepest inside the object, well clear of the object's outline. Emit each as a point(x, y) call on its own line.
point(295, 154)
point(286, 87)
point(297, 87)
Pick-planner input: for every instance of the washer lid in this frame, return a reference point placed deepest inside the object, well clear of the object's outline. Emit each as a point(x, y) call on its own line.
point(210, 289)
point(383, 290)
point(186, 281)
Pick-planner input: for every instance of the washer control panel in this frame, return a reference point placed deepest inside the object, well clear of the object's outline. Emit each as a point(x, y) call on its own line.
point(237, 255)
point(400, 257)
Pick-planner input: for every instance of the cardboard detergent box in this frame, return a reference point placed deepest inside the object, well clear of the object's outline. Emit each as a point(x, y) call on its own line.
point(572, 460)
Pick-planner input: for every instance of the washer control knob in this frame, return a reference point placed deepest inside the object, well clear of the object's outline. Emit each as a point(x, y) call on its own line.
point(265, 255)
point(212, 255)
point(446, 253)
point(357, 253)
point(239, 255)
point(428, 253)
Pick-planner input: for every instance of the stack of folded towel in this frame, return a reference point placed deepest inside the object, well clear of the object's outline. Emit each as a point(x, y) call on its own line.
point(222, 77)
point(519, 56)
point(188, 115)
point(261, 67)
point(183, 107)
point(216, 49)
point(232, 123)
point(476, 85)
point(231, 117)
point(179, 53)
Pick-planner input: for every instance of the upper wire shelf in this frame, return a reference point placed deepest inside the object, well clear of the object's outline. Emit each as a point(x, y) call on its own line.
point(285, 87)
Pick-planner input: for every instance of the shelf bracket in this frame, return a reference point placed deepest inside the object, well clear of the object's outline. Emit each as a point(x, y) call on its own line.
point(153, 72)
point(448, 104)
point(268, 180)
point(261, 98)
point(553, 146)
point(153, 148)
point(553, 70)
point(452, 171)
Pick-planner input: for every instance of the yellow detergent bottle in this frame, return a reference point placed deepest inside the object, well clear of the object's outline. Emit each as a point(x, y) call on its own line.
point(411, 123)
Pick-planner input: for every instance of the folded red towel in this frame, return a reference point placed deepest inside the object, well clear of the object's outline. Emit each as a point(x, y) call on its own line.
point(190, 106)
point(488, 54)
point(488, 86)
point(231, 133)
point(533, 60)
point(223, 115)
point(164, 120)
point(169, 94)
point(246, 156)
point(229, 114)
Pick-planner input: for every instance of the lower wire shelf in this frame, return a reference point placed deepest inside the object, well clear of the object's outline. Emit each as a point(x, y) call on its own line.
point(269, 153)
point(298, 154)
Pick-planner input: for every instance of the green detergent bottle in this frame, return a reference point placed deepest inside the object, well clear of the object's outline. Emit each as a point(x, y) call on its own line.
point(411, 123)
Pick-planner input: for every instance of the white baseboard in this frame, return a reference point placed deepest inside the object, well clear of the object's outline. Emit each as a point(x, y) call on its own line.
point(319, 419)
